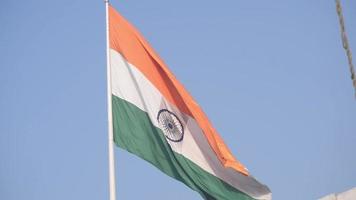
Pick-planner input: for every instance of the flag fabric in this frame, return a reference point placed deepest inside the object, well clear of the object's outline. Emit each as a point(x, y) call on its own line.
point(155, 118)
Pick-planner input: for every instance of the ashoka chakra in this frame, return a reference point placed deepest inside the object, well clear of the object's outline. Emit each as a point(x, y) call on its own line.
point(171, 125)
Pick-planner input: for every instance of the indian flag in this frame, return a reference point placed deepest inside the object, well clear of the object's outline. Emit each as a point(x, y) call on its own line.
point(155, 118)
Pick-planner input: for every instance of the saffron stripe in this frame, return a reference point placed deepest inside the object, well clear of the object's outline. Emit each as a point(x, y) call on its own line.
point(125, 39)
point(132, 86)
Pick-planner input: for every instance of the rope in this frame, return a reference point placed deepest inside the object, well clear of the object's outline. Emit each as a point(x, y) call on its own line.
point(345, 43)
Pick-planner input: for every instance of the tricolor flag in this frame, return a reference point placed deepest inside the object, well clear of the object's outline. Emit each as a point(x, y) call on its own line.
point(155, 118)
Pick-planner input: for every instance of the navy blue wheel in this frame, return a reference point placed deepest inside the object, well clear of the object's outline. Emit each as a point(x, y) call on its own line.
point(171, 125)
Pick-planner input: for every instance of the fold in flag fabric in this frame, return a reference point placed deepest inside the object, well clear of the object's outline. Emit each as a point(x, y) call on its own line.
point(155, 118)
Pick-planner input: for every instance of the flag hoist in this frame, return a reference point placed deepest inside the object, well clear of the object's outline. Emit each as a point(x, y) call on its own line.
point(151, 115)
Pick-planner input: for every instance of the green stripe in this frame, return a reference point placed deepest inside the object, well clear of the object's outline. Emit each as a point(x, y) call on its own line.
point(134, 132)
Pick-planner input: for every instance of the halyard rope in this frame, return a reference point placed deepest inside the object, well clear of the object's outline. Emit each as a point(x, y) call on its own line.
point(345, 43)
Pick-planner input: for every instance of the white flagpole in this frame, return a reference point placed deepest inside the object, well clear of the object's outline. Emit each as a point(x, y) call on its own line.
point(112, 185)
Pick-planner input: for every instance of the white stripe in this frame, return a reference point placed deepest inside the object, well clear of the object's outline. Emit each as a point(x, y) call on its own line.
point(131, 85)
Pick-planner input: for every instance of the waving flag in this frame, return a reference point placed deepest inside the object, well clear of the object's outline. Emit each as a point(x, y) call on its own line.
point(155, 118)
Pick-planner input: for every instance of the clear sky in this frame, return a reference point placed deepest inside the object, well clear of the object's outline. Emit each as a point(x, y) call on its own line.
point(271, 75)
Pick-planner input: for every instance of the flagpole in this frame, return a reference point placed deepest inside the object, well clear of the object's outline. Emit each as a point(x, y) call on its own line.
point(112, 185)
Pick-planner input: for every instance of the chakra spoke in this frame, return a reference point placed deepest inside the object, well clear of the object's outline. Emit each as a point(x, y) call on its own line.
point(171, 125)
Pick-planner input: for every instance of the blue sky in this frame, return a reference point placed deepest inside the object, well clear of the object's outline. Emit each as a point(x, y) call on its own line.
point(271, 75)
